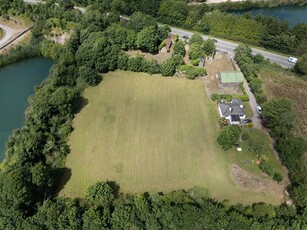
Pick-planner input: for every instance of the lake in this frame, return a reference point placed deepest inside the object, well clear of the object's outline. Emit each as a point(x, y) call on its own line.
point(294, 14)
point(17, 83)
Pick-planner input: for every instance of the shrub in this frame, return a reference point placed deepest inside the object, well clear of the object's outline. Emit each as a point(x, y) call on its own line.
point(150, 66)
point(178, 59)
point(122, 61)
point(215, 97)
point(179, 48)
point(135, 63)
point(195, 62)
point(175, 37)
point(168, 67)
point(242, 88)
point(266, 167)
point(277, 177)
point(242, 97)
point(163, 43)
point(245, 136)
point(223, 122)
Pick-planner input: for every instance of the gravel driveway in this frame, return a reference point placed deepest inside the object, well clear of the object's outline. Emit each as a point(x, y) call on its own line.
point(9, 34)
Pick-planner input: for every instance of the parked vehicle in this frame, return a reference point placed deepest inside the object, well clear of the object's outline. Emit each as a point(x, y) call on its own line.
point(246, 121)
point(259, 109)
point(292, 59)
point(185, 37)
point(214, 40)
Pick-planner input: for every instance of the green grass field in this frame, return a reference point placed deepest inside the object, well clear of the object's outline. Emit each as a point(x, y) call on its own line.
point(151, 134)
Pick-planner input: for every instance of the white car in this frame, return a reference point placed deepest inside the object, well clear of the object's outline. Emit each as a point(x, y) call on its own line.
point(292, 59)
point(259, 109)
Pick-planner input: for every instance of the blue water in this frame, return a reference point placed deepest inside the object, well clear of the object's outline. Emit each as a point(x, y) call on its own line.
point(294, 14)
point(17, 83)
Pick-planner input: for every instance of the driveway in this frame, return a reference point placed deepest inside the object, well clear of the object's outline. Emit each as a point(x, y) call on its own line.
point(253, 104)
point(9, 34)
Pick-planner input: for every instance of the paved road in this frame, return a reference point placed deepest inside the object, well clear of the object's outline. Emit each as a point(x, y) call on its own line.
point(40, 1)
point(229, 47)
point(33, 1)
point(221, 45)
point(9, 33)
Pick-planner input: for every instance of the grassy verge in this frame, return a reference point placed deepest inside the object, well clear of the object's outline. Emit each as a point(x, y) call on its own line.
point(151, 134)
point(1, 33)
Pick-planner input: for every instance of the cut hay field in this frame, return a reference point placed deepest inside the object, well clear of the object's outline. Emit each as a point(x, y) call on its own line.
point(151, 134)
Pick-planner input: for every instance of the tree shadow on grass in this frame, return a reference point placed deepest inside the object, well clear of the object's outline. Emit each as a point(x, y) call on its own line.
point(81, 104)
point(62, 175)
point(115, 188)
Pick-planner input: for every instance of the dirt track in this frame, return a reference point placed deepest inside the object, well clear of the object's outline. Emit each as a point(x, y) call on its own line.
point(8, 34)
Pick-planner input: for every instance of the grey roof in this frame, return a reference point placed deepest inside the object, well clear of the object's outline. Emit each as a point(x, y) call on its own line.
point(232, 108)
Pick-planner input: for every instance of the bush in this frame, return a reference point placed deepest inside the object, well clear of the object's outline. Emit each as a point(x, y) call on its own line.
point(168, 68)
point(195, 62)
point(163, 43)
point(175, 37)
point(150, 66)
point(135, 63)
point(242, 89)
point(245, 136)
point(267, 168)
point(223, 122)
point(122, 61)
point(219, 97)
point(179, 48)
point(242, 97)
point(194, 72)
point(178, 59)
point(277, 177)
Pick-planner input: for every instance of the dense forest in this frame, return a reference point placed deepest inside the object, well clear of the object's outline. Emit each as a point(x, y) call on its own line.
point(35, 156)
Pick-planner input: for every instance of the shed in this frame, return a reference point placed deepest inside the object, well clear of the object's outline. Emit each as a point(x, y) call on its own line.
point(230, 78)
point(168, 43)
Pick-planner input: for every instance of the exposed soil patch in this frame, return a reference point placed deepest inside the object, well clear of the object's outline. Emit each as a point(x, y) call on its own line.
point(221, 62)
point(261, 183)
point(15, 23)
point(61, 38)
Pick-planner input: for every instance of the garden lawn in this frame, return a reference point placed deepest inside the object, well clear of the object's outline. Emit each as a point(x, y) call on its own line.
point(247, 158)
point(151, 134)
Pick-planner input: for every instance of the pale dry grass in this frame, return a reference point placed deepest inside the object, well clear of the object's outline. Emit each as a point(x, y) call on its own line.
point(151, 134)
point(278, 84)
point(16, 23)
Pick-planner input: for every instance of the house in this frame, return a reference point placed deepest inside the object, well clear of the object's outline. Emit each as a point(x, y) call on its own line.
point(230, 78)
point(233, 111)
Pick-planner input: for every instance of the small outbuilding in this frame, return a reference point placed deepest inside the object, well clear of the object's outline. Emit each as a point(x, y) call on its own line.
point(168, 43)
point(230, 78)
